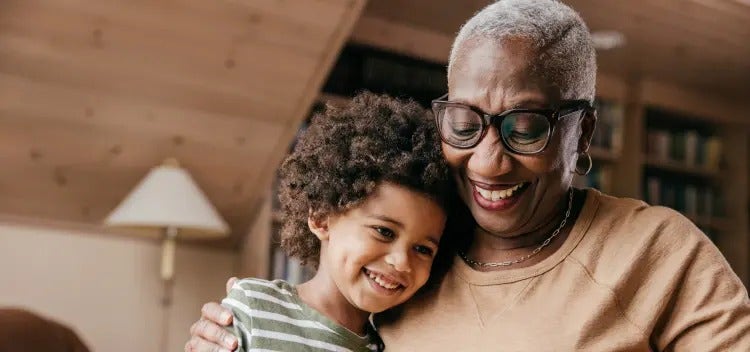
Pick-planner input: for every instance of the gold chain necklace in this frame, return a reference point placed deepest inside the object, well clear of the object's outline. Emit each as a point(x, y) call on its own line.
point(533, 253)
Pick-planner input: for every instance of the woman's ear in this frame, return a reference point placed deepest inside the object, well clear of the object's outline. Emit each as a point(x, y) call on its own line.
point(319, 226)
point(588, 124)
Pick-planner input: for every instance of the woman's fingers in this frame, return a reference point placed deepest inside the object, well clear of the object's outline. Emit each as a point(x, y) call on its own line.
point(212, 334)
point(216, 313)
point(196, 344)
point(208, 333)
point(230, 283)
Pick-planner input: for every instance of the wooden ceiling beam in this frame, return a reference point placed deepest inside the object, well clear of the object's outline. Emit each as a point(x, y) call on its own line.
point(219, 62)
point(96, 92)
point(172, 22)
point(694, 103)
point(434, 46)
point(88, 107)
point(649, 27)
point(686, 42)
point(128, 60)
point(690, 21)
point(732, 10)
point(92, 75)
point(401, 38)
point(349, 13)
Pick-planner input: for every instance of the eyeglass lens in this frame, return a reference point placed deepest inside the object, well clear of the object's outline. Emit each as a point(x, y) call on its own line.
point(523, 132)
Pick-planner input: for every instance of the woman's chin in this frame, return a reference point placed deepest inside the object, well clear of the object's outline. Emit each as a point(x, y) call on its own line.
point(504, 216)
point(510, 224)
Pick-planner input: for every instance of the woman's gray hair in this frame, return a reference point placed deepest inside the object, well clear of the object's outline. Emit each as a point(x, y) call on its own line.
point(567, 57)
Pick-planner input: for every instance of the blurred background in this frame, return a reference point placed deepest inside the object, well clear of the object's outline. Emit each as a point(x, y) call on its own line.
point(95, 95)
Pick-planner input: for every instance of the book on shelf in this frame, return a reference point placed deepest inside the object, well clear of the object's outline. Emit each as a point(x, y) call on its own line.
point(687, 147)
point(608, 132)
point(712, 150)
point(677, 147)
point(691, 148)
point(361, 67)
point(657, 144)
point(690, 199)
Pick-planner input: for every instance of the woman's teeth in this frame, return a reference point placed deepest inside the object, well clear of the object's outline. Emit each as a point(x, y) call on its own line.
point(498, 194)
point(382, 281)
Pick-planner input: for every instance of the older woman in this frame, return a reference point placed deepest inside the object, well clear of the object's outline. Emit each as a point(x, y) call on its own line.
point(549, 267)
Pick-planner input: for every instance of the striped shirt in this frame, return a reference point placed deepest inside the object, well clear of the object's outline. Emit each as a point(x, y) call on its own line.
point(269, 316)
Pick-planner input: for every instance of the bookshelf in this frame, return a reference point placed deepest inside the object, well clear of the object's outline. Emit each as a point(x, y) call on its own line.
point(606, 145)
point(603, 154)
point(680, 167)
point(645, 131)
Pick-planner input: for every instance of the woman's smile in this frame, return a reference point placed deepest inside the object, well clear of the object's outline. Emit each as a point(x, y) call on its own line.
point(498, 197)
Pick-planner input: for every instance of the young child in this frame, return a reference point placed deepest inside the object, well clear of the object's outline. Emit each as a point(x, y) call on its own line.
point(363, 198)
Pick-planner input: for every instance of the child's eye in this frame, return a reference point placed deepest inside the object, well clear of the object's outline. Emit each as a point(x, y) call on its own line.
point(384, 232)
point(424, 250)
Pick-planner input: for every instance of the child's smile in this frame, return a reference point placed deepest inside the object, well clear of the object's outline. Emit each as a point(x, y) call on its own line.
point(384, 283)
point(380, 252)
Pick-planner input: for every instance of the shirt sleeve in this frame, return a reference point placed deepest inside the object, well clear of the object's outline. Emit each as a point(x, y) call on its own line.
point(238, 302)
point(706, 305)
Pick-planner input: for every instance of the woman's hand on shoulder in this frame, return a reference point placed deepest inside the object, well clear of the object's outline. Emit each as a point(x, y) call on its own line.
point(208, 333)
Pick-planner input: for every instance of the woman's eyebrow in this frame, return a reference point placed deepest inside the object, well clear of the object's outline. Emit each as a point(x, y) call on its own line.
point(529, 103)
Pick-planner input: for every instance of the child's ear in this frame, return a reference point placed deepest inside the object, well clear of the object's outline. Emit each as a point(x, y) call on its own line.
point(319, 226)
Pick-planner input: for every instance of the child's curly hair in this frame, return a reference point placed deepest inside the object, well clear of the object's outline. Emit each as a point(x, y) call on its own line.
point(346, 153)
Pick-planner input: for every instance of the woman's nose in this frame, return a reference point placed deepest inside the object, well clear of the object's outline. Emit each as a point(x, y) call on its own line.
point(490, 158)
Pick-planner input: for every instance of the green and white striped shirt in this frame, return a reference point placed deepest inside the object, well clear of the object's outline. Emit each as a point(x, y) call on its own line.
point(269, 316)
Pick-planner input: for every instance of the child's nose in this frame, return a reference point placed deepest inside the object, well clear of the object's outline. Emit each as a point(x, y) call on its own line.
point(399, 260)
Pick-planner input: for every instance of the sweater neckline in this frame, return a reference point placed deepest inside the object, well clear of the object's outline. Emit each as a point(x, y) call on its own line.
point(580, 227)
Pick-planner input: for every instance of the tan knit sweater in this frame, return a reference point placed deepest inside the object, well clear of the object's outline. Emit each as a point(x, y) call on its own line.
point(629, 277)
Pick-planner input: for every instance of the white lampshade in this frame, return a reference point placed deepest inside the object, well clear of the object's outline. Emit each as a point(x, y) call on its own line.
point(168, 203)
point(168, 198)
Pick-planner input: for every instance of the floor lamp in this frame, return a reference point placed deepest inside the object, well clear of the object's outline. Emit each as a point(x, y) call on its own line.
point(167, 202)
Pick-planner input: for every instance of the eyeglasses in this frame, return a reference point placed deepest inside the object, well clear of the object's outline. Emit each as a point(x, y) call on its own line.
point(522, 131)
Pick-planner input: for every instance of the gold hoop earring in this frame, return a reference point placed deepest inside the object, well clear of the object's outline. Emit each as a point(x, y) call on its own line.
point(583, 171)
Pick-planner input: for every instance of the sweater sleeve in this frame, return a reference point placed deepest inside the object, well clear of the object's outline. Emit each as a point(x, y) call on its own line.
point(242, 324)
point(706, 306)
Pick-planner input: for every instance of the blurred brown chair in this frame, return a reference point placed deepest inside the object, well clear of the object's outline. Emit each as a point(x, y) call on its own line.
point(23, 331)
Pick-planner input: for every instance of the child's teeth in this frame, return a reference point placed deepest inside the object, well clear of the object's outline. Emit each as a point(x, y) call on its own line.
point(382, 282)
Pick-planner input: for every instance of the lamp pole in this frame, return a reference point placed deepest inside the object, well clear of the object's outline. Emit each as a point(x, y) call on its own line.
point(167, 278)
